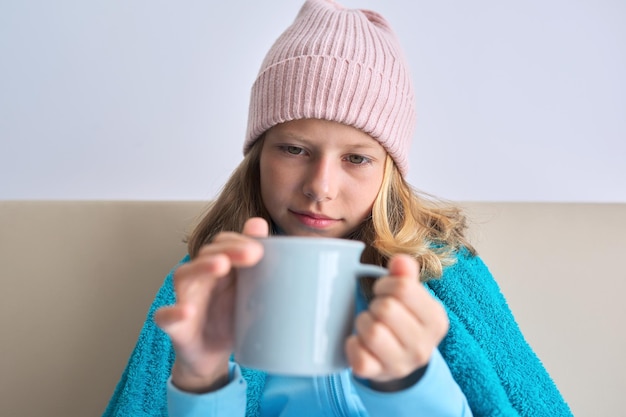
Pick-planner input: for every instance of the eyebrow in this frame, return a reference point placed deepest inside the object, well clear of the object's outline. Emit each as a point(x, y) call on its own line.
point(287, 135)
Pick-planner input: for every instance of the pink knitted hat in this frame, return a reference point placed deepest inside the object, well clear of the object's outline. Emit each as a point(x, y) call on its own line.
point(337, 64)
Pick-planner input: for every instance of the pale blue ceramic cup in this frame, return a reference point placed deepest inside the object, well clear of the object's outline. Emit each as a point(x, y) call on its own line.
point(296, 307)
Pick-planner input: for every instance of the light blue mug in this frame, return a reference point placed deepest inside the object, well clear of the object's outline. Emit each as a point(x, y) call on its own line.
point(296, 307)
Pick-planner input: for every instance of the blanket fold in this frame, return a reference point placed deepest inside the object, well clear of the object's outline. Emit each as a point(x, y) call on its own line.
point(484, 348)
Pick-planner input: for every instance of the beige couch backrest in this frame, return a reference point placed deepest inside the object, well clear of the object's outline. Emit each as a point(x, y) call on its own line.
point(78, 277)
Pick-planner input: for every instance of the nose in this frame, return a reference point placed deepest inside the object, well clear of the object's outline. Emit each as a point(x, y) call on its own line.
point(320, 182)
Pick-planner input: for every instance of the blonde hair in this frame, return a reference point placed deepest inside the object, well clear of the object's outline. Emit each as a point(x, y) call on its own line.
point(403, 220)
point(408, 221)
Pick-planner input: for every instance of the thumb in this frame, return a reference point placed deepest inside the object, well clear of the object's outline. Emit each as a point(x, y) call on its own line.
point(404, 266)
point(256, 227)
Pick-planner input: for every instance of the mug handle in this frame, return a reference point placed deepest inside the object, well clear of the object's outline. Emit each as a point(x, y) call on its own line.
point(374, 271)
point(371, 271)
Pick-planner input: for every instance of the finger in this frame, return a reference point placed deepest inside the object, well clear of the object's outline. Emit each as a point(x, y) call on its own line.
point(404, 266)
point(362, 362)
point(167, 318)
point(177, 322)
point(402, 279)
point(427, 310)
point(408, 291)
point(239, 247)
point(403, 283)
point(401, 322)
point(209, 265)
point(241, 250)
point(381, 343)
point(256, 227)
point(193, 279)
point(416, 339)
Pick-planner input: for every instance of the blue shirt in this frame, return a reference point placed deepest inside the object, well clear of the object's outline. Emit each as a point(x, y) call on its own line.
point(341, 394)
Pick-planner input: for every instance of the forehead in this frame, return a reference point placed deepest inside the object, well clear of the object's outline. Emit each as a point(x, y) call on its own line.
point(321, 132)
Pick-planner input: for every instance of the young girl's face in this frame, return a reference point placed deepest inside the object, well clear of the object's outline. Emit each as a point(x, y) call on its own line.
point(320, 178)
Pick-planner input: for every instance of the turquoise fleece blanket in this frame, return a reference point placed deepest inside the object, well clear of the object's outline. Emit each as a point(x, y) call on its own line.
point(484, 348)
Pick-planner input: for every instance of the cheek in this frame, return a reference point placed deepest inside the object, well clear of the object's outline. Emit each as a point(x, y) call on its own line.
point(275, 182)
point(266, 180)
point(363, 196)
point(368, 187)
point(367, 198)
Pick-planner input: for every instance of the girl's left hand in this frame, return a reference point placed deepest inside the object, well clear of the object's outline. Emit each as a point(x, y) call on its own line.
point(401, 328)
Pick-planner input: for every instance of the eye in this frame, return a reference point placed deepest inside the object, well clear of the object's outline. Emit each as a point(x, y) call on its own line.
point(357, 159)
point(293, 150)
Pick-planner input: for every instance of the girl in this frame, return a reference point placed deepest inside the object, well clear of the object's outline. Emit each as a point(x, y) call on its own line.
point(331, 117)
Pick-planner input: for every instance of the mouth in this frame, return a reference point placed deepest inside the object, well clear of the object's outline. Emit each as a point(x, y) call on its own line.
point(314, 220)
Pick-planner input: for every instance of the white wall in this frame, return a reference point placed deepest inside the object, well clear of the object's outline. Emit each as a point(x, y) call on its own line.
point(112, 99)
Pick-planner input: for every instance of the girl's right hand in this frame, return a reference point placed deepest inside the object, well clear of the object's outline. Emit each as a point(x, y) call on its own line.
point(200, 324)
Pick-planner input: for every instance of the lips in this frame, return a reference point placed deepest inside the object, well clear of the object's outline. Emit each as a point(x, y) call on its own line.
point(312, 215)
point(315, 220)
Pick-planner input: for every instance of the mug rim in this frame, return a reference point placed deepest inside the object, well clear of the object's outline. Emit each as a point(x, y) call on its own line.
point(300, 240)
